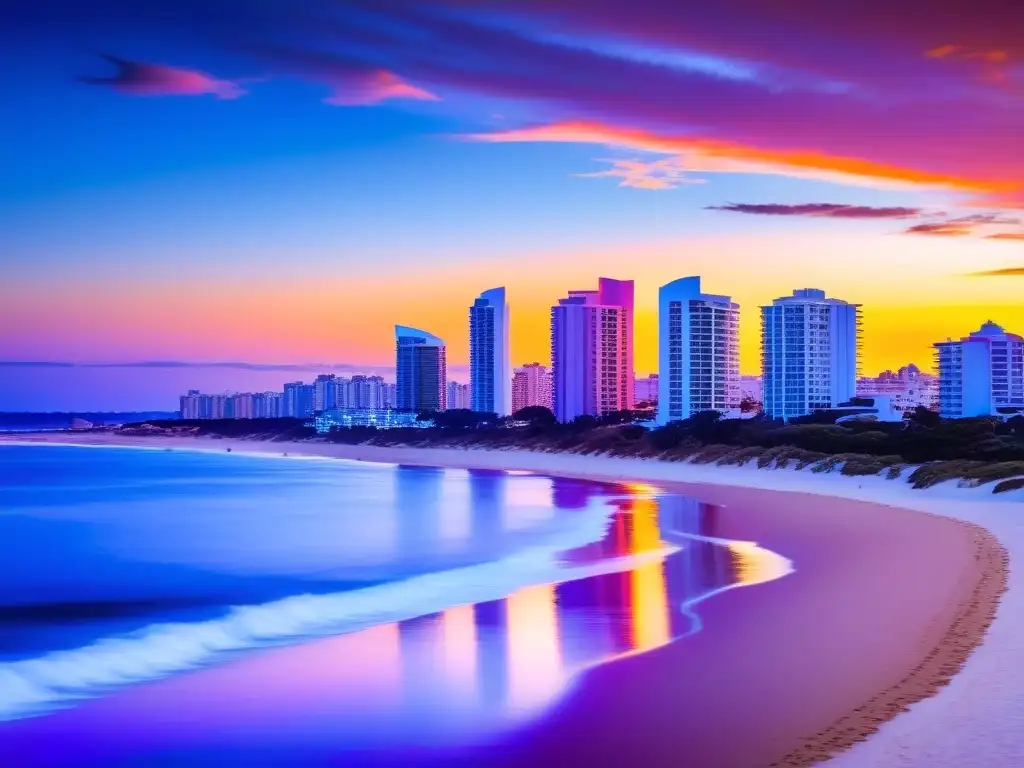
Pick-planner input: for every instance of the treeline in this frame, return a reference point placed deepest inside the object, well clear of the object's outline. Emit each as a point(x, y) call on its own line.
point(921, 438)
point(251, 429)
point(977, 450)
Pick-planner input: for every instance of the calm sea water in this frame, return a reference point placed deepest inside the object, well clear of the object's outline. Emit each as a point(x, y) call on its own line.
point(185, 608)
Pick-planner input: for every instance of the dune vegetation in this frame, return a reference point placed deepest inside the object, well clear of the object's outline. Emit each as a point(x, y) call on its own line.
point(923, 449)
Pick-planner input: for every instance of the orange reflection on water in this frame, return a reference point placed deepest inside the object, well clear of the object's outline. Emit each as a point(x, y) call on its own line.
point(648, 604)
point(534, 651)
point(648, 607)
point(459, 649)
point(753, 564)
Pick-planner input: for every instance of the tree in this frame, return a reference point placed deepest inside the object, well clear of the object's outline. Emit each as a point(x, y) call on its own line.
point(749, 405)
point(535, 414)
point(925, 417)
point(463, 419)
point(703, 425)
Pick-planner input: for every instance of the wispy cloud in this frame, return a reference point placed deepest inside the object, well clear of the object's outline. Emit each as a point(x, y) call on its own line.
point(1006, 236)
point(825, 210)
point(238, 366)
point(1007, 272)
point(375, 87)
point(715, 155)
point(708, 82)
point(298, 367)
point(960, 227)
point(668, 173)
point(142, 79)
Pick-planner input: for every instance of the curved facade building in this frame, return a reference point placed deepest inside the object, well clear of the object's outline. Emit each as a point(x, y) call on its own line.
point(490, 360)
point(420, 370)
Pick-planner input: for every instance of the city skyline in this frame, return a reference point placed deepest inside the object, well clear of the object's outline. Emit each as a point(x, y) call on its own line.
point(462, 373)
point(180, 187)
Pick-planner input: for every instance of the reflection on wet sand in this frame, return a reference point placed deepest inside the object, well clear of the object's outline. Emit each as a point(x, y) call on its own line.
point(461, 675)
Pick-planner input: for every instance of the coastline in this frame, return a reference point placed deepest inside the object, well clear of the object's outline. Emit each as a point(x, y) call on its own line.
point(959, 607)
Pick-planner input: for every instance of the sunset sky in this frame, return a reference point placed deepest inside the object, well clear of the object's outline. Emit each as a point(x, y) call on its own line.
point(279, 183)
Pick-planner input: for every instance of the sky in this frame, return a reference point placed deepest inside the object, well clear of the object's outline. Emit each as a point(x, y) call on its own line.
point(278, 184)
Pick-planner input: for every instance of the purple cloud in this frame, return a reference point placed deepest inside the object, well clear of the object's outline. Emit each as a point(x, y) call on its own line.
point(962, 226)
point(826, 210)
point(141, 79)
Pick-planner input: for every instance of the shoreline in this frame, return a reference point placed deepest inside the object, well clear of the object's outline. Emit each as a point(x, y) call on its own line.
point(949, 644)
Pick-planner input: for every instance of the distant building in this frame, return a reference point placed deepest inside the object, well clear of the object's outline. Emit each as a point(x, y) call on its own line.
point(459, 396)
point(531, 385)
point(645, 390)
point(324, 392)
point(907, 389)
point(809, 353)
point(698, 351)
point(267, 405)
point(189, 404)
point(750, 388)
point(592, 351)
point(364, 393)
point(380, 419)
point(298, 400)
point(490, 362)
point(421, 370)
point(981, 374)
point(389, 396)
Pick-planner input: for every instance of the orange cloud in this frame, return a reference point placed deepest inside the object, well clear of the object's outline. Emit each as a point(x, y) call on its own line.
point(995, 56)
point(376, 87)
point(1006, 236)
point(1008, 272)
point(715, 155)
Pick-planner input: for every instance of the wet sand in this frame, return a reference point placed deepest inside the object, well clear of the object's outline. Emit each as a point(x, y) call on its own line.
point(885, 606)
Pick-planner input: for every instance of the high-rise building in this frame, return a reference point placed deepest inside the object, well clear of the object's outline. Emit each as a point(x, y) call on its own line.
point(324, 392)
point(809, 353)
point(460, 397)
point(981, 374)
point(421, 370)
point(363, 393)
point(189, 404)
point(698, 351)
point(267, 405)
point(389, 396)
point(298, 400)
point(592, 351)
point(490, 361)
point(531, 386)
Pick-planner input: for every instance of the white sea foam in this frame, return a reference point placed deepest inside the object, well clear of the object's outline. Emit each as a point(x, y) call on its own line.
point(35, 686)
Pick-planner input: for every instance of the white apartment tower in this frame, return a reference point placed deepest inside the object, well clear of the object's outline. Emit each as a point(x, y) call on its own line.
point(490, 357)
point(698, 351)
point(809, 353)
point(981, 374)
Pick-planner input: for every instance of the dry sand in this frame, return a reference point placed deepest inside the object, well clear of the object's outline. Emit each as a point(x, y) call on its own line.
point(885, 607)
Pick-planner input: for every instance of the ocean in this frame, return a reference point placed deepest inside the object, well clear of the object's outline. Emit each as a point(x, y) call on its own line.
point(229, 605)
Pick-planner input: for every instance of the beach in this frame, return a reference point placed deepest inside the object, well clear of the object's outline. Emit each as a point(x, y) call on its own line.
point(864, 646)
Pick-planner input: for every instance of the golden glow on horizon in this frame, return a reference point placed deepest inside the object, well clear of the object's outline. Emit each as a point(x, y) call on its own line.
point(914, 291)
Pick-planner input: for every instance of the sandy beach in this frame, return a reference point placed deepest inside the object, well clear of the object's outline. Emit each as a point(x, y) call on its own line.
point(885, 630)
